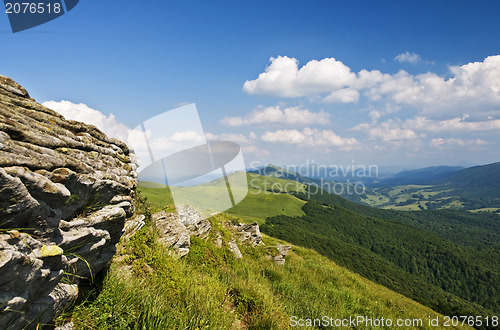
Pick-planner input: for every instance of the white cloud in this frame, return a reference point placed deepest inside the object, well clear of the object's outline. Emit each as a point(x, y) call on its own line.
point(253, 149)
point(458, 124)
point(245, 141)
point(81, 112)
point(415, 128)
point(408, 57)
point(161, 145)
point(288, 116)
point(283, 77)
point(471, 86)
point(389, 131)
point(450, 142)
point(237, 138)
point(188, 136)
point(391, 134)
point(309, 138)
point(344, 95)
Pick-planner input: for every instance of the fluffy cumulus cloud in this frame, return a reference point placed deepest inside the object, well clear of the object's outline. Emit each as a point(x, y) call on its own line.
point(474, 85)
point(391, 134)
point(247, 142)
point(344, 95)
point(284, 78)
point(408, 58)
point(287, 116)
point(309, 137)
point(82, 112)
point(413, 129)
point(192, 137)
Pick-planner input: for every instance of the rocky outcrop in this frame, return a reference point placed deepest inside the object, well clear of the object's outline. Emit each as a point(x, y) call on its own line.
point(278, 253)
point(233, 247)
point(172, 232)
point(175, 229)
point(250, 233)
point(65, 191)
point(195, 224)
point(132, 226)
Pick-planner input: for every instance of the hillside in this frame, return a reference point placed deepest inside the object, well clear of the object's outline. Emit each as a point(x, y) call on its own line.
point(440, 187)
point(146, 287)
point(476, 189)
point(413, 262)
point(345, 189)
point(453, 255)
point(258, 204)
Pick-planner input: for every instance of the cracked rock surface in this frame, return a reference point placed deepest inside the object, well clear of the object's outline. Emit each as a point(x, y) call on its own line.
point(65, 191)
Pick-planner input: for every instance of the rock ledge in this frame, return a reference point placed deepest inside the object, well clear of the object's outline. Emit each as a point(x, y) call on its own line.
point(65, 191)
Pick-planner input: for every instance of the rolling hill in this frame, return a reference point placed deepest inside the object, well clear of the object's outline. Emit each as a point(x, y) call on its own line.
point(448, 260)
point(441, 187)
point(475, 189)
point(148, 288)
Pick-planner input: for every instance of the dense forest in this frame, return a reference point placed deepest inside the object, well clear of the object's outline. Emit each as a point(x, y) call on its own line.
point(443, 259)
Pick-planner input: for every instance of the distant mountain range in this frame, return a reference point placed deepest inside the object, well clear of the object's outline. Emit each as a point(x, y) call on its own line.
point(475, 188)
point(428, 175)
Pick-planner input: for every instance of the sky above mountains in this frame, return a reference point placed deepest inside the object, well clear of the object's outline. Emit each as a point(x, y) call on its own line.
point(407, 83)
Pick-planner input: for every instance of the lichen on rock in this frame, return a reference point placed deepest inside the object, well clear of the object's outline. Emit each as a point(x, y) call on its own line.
point(65, 191)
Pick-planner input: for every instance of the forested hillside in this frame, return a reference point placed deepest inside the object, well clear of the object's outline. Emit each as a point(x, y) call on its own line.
point(380, 245)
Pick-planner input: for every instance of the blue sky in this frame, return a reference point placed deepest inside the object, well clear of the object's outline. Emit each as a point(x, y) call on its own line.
point(136, 60)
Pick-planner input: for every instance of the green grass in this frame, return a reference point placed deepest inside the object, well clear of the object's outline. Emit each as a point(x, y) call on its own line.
point(266, 197)
point(146, 288)
point(259, 206)
point(158, 196)
point(412, 198)
point(375, 200)
point(485, 209)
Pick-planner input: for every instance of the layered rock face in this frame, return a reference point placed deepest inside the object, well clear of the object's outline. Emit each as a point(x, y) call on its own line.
point(65, 191)
point(176, 229)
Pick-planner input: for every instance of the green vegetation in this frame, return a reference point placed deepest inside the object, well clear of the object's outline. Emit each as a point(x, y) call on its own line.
point(146, 288)
point(475, 188)
point(414, 197)
point(267, 197)
point(259, 203)
point(447, 277)
point(448, 260)
point(464, 228)
point(158, 195)
point(441, 187)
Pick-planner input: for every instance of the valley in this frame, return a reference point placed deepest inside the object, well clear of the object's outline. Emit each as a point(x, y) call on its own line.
point(446, 259)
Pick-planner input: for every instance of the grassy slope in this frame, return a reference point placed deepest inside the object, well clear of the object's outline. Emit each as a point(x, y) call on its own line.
point(415, 263)
point(259, 203)
point(146, 288)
